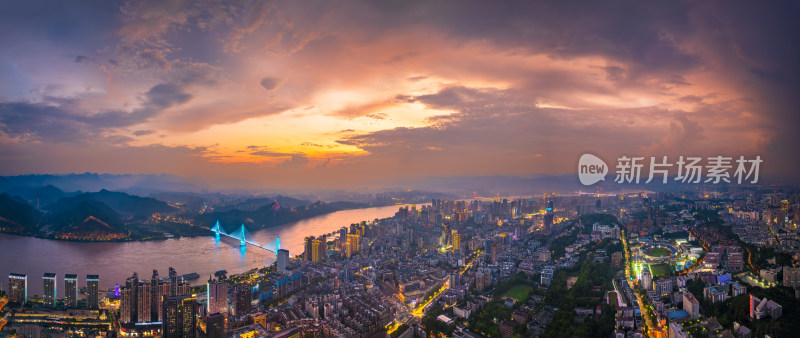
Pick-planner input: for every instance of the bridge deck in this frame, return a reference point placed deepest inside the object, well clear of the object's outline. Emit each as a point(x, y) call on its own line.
point(240, 236)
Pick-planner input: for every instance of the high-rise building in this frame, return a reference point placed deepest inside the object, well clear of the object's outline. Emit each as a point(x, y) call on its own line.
point(309, 248)
point(242, 297)
point(163, 291)
point(18, 288)
point(217, 296)
point(548, 215)
point(179, 317)
point(128, 310)
point(319, 249)
point(155, 297)
point(71, 290)
point(323, 249)
point(215, 326)
point(143, 299)
point(342, 238)
point(49, 286)
point(353, 244)
point(348, 247)
point(92, 292)
point(316, 250)
point(125, 308)
point(456, 238)
point(173, 282)
point(283, 261)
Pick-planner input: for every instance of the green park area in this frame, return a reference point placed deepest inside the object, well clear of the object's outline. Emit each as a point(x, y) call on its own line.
point(519, 292)
point(660, 269)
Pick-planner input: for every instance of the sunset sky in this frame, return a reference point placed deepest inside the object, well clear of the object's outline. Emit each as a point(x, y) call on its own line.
point(339, 94)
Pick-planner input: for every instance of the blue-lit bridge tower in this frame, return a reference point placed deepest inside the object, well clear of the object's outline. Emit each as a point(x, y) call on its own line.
point(244, 238)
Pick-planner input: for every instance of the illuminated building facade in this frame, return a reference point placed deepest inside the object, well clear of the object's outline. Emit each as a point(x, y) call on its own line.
point(309, 248)
point(456, 238)
point(155, 297)
point(138, 297)
point(217, 297)
point(49, 286)
point(71, 291)
point(92, 292)
point(241, 300)
point(179, 317)
point(18, 288)
point(548, 216)
point(318, 250)
point(128, 310)
point(353, 242)
point(173, 282)
point(342, 238)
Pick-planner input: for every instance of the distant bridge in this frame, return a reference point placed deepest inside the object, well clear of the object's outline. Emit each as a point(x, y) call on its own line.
point(244, 238)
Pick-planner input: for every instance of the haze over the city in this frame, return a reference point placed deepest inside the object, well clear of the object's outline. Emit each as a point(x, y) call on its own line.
point(361, 94)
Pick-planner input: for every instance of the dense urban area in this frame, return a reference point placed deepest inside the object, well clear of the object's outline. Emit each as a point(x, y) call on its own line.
point(701, 263)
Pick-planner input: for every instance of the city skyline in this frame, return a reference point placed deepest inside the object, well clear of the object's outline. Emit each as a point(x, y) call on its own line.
point(356, 168)
point(362, 94)
point(637, 264)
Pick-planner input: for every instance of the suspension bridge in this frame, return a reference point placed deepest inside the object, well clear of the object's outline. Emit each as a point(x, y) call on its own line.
point(244, 238)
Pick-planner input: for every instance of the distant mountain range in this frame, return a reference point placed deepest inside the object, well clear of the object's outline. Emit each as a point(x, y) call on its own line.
point(128, 206)
point(77, 215)
point(17, 216)
point(273, 214)
point(41, 190)
point(252, 204)
point(50, 212)
point(88, 218)
point(139, 184)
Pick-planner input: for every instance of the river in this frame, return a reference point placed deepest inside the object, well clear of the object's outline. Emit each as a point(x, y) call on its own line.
point(115, 261)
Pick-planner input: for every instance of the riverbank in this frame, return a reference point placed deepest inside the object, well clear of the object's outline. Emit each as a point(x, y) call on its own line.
point(140, 232)
point(116, 261)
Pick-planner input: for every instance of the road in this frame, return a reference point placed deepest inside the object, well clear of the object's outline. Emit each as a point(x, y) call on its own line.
point(419, 310)
point(653, 329)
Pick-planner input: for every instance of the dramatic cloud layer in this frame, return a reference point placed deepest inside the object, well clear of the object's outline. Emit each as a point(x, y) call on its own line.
point(289, 94)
